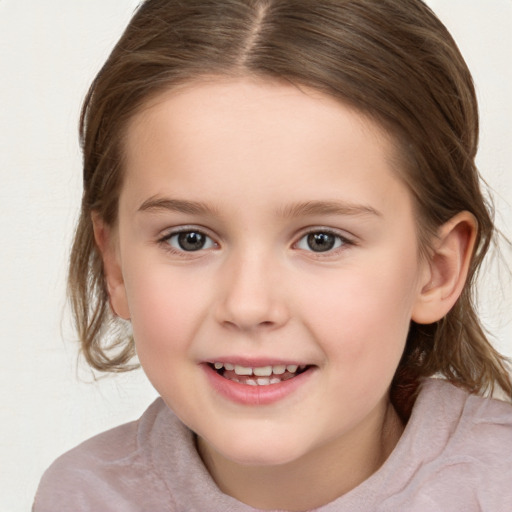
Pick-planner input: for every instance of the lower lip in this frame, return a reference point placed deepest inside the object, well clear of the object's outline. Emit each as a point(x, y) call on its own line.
point(255, 395)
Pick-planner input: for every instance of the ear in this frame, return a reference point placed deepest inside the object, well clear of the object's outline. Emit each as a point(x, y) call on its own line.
point(447, 268)
point(107, 243)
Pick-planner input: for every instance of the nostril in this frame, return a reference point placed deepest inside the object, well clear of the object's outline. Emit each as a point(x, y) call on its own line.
point(248, 325)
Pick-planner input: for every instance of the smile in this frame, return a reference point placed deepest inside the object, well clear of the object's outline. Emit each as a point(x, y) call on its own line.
point(258, 376)
point(258, 384)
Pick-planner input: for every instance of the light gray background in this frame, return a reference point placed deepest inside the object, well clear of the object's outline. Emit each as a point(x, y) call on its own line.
point(49, 52)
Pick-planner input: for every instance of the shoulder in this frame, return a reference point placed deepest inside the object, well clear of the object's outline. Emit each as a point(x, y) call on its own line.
point(462, 445)
point(96, 474)
point(479, 443)
point(463, 420)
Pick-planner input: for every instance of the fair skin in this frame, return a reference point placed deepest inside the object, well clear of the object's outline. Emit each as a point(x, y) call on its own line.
point(298, 248)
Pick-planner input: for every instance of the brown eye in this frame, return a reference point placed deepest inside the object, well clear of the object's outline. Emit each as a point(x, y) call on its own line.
point(190, 241)
point(321, 241)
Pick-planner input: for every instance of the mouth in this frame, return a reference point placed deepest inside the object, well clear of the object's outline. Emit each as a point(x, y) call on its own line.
point(258, 376)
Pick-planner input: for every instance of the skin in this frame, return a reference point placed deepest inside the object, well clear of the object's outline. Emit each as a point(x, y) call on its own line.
point(255, 155)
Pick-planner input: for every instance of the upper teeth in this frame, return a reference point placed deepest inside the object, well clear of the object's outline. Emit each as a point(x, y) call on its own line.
point(259, 371)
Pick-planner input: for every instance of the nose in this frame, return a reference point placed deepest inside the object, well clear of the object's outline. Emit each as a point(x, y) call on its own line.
point(252, 294)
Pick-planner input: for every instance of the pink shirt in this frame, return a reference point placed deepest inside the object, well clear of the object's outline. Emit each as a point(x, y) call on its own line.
point(455, 455)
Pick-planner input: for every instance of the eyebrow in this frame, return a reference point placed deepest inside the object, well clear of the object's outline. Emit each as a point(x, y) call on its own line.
point(156, 204)
point(327, 208)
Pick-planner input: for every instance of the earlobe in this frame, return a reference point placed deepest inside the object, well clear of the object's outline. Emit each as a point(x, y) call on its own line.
point(448, 268)
point(106, 243)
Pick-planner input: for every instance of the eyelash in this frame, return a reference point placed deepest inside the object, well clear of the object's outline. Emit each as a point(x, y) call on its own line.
point(340, 242)
point(165, 241)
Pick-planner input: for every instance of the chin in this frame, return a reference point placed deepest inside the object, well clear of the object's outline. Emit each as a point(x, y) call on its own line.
point(251, 452)
point(261, 460)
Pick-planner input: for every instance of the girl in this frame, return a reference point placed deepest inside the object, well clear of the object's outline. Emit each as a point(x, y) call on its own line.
point(281, 200)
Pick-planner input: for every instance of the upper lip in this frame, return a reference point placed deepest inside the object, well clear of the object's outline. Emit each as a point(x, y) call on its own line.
point(257, 362)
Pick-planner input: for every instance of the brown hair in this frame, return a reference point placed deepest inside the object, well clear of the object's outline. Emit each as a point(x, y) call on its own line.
point(391, 59)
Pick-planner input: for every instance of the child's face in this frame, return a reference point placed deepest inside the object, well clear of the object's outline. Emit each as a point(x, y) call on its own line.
point(264, 226)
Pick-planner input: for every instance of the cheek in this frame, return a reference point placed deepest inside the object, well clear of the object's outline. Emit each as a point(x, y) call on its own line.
point(364, 315)
point(162, 314)
point(163, 326)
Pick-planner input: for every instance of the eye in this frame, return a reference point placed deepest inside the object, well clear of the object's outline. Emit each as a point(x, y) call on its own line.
point(189, 241)
point(321, 241)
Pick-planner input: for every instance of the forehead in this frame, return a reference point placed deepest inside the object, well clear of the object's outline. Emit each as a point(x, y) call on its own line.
point(248, 132)
point(274, 109)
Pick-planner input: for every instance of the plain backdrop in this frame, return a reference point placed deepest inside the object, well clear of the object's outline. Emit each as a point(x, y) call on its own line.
point(49, 52)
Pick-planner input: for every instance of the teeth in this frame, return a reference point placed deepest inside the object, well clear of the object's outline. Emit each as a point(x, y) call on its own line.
point(265, 371)
point(242, 370)
point(261, 371)
point(279, 369)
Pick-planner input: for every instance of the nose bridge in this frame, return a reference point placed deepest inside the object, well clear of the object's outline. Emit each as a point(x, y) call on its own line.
point(252, 293)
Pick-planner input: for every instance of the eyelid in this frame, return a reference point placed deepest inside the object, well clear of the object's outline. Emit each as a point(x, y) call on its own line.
point(172, 232)
point(346, 240)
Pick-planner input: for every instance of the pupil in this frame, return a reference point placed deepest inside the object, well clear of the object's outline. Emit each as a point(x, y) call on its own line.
point(321, 242)
point(191, 241)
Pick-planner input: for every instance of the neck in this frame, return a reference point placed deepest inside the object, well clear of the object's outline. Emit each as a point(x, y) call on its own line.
point(314, 479)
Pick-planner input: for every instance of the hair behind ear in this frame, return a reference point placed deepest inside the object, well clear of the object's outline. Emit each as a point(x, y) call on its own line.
point(105, 342)
point(106, 242)
point(446, 336)
point(449, 262)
